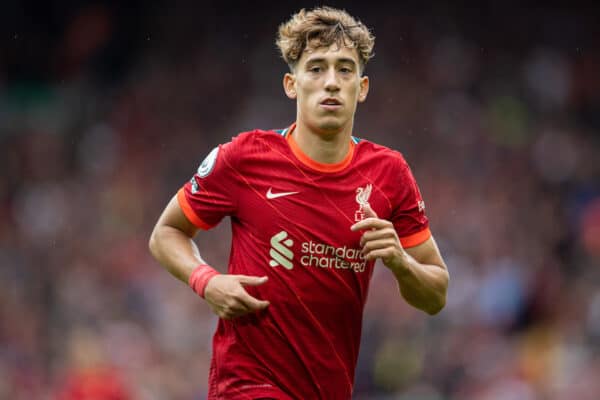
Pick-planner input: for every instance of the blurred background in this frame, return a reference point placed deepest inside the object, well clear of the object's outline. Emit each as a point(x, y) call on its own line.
point(107, 108)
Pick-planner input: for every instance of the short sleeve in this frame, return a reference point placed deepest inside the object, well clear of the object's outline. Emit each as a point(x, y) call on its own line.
point(408, 215)
point(210, 194)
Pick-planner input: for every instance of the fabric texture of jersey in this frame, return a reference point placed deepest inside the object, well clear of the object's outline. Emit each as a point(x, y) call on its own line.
point(291, 221)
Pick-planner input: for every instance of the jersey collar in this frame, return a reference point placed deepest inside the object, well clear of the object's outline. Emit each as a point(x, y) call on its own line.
point(309, 162)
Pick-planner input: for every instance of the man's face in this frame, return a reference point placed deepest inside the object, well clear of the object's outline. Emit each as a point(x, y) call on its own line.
point(327, 85)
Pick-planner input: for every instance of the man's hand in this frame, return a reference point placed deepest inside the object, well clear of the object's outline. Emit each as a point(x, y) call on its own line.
point(422, 275)
point(380, 240)
point(227, 297)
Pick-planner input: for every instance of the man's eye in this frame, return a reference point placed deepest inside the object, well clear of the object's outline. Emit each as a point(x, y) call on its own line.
point(345, 70)
point(315, 69)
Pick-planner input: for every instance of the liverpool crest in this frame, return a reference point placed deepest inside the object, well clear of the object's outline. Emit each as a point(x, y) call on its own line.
point(362, 198)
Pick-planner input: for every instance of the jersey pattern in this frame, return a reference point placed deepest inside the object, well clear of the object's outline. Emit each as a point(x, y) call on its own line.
point(291, 220)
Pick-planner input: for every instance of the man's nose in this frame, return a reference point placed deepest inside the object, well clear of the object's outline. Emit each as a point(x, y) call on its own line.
point(332, 83)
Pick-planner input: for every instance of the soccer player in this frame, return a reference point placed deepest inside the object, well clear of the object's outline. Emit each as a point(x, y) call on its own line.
point(312, 208)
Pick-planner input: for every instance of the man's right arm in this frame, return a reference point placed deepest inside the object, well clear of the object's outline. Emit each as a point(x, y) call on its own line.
point(171, 243)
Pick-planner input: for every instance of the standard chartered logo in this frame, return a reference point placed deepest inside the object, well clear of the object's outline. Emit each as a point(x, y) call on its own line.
point(315, 254)
point(280, 251)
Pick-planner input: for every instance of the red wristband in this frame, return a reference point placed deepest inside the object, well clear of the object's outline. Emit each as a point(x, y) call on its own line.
point(200, 277)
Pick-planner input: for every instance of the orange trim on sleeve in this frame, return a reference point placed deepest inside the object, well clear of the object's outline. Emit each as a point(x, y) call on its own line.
point(416, 238)
point(189, 212)
point(321, 167)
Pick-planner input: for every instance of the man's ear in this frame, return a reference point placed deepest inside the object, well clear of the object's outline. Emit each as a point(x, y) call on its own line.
point(289, 85)
point(364, 89)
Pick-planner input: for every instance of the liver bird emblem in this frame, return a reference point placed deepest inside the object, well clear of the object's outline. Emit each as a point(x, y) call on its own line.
point(362, 198)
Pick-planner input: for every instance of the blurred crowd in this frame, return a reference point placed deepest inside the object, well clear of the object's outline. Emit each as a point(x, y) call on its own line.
point(106, 109)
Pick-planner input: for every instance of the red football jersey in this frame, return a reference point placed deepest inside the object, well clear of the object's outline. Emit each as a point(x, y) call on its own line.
point(291, 219)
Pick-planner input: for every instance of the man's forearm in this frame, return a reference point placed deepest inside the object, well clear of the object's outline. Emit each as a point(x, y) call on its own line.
point(176, 251)
point(423, 286)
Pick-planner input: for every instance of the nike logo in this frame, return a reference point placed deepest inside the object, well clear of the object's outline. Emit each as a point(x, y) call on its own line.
point(271, 195)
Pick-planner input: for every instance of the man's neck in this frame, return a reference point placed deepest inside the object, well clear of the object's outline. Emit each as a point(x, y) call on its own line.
point(325, 149)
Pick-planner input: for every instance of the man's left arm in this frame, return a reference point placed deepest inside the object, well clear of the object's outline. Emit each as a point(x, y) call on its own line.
point(420, 270)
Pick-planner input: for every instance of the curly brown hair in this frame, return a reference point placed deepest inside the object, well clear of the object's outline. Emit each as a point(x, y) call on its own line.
point(321, 27)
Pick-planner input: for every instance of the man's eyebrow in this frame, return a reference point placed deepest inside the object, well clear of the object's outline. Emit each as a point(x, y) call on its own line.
point(338, 60)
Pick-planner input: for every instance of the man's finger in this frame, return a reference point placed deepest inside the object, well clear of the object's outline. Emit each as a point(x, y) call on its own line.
point(386, 232)
point(239, 307)
point(383, 243)
point(253, 303)
point(252, 280)
point(369, 212)
point(369, 223)
point(378, 253)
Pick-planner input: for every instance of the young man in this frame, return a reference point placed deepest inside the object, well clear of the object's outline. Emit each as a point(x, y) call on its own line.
point(311, 209)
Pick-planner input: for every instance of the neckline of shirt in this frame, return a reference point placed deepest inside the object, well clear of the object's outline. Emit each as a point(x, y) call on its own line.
point(309, 162)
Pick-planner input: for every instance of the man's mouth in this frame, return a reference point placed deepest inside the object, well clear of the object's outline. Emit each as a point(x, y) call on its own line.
point(331, 104)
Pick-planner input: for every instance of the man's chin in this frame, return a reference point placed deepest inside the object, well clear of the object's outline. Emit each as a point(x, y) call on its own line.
point(330, 126)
